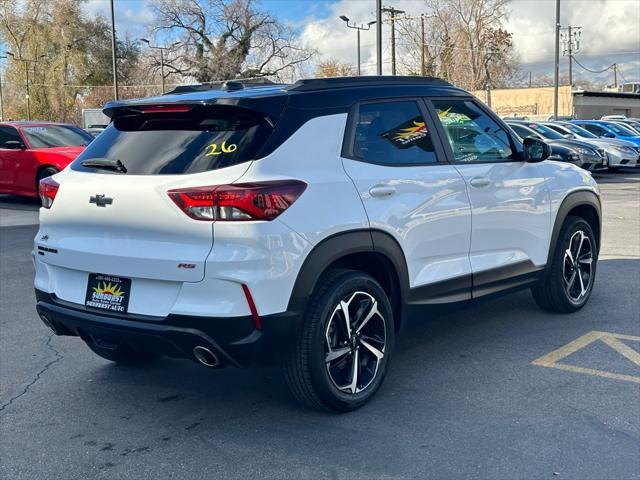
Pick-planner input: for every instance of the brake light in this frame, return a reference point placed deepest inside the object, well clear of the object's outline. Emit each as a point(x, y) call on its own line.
point(166, 109)
point(238, 202)
point(48, 189)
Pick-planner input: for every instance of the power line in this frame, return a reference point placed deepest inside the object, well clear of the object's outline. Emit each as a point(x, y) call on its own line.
point(594, 71)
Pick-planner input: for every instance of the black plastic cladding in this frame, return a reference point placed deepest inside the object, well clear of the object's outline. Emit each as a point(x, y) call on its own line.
point(292, 106)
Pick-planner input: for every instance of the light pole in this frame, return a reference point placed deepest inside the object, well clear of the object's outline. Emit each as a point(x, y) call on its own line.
point(26, 62)
point(114, 63)
point(357, 28)
point(162, 49)
point(379, 37)
point(556, 76)
point(2, 57)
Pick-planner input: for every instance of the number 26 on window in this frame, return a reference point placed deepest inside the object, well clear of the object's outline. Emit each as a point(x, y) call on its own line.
point(224, 148)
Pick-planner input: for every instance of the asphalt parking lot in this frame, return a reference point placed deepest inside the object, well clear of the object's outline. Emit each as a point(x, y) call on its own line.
point(500, 390)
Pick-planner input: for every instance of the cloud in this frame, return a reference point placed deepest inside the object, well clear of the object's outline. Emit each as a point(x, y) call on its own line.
point(133, 17)
point(609, 28)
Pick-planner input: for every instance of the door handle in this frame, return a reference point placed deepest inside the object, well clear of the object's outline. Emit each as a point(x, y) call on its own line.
point(480, 182)
point(382, 190)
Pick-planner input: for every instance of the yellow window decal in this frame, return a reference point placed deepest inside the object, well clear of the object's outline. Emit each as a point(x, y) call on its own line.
point(224, 148)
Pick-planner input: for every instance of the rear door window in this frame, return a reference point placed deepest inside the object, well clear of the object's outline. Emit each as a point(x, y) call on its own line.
point(191, 140)
point(392, 133)
point(8, 134)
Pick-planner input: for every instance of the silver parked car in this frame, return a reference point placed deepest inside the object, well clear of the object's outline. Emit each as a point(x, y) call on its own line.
point(620, 153)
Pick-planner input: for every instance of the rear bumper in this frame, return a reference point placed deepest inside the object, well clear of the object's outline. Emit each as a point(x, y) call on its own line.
point(234, 340)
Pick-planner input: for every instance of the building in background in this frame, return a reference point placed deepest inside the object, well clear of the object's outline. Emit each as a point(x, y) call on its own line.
point(536, 103)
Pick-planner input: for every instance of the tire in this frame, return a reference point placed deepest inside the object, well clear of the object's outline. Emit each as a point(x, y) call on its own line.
point(329, 385)
point(121, 354)
point(567, 288)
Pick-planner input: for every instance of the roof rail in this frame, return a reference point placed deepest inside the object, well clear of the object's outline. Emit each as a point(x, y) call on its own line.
point(218, 85)
point(309, 84)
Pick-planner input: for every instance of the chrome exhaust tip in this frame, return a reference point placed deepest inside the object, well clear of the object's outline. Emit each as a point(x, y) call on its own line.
point(205, 356)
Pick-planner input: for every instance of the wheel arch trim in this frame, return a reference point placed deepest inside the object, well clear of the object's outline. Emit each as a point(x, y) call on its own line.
point(569, 203)
point(341, 245)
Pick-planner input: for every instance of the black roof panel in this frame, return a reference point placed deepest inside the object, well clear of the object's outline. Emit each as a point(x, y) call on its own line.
point(314, 84)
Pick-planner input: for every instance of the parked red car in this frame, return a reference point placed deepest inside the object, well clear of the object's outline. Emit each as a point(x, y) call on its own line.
point(30, 151)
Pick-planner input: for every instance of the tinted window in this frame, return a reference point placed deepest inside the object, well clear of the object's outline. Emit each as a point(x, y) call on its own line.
point(523, 132)
point(393, 133)
point(559, 129)
point(545, 131)
point(8, 134)
point(472, 134)
point(579, 131)
point(201, 139)
point(47, 136)
point(621, 130)
point(595, 129)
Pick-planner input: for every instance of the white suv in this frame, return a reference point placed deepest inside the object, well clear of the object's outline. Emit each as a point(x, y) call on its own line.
point(294, 224)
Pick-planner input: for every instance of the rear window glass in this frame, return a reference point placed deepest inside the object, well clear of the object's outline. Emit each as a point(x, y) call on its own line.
point(198, 140)
point(49, 136)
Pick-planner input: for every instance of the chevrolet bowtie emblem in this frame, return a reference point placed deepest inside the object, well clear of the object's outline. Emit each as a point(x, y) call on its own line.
point(101, 200)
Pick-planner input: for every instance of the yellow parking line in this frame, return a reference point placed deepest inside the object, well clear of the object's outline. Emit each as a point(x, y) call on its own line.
point(622, 349)
point(551, 360)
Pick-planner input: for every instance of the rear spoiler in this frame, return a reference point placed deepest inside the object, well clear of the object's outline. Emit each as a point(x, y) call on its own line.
point(270, 108)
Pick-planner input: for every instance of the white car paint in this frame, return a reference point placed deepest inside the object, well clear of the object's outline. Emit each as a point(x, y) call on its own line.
point(144, 236)
point(510, 210)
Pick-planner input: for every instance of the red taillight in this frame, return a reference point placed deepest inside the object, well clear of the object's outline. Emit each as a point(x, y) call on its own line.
point(166, 109)
point(239, 202)
point(48, 189)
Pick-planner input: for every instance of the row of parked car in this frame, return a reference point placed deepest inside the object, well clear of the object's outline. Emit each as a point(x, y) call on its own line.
point(610, 143)
point(31, 151)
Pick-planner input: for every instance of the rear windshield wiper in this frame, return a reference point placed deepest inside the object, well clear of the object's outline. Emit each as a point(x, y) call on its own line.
point(105, 163)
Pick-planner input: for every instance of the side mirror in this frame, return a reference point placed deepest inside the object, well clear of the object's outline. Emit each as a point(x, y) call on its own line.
point(13, 145)
point(609, 135)
point(535, 150)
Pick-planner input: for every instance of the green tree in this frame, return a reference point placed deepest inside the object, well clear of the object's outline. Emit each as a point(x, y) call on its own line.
point(64, 50)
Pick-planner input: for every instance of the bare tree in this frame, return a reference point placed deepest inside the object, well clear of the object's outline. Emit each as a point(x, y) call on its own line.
point(226, 39)
point(463, 40)
point(332, 67)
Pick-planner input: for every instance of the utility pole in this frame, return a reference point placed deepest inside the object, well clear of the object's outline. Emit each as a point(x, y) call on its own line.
point(113, 53)
point(26, 62)
point(379, 36)
point(357, 28)
point(530, 80)
point(392, 11)
point(2, 57)
point(556, 78)
point(571, 46)
point(423, 59)
point(162, 49)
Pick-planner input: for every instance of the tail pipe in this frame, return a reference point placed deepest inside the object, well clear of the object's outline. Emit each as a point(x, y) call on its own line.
point(205, 356)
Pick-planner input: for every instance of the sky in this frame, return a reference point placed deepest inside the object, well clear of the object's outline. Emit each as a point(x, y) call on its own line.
point(610, 30)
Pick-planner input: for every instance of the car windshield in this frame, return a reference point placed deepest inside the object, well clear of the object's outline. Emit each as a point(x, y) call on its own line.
point(49, 136)
point(546, 132)
point(191, 139)
point(579, 131)
point(620, 130)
